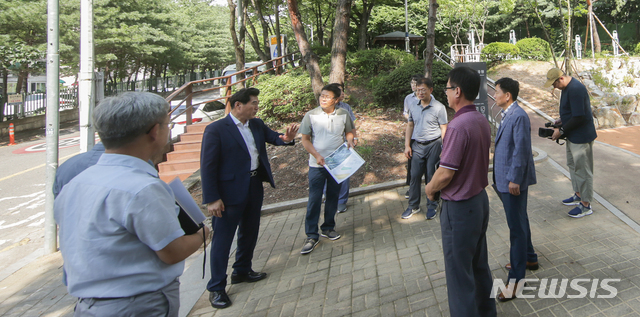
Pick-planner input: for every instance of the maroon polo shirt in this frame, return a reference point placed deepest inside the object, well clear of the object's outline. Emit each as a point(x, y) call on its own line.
point(465, 149)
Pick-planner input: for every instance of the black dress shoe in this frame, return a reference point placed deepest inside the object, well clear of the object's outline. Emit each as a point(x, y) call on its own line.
point(248, 277)
point(219, 299)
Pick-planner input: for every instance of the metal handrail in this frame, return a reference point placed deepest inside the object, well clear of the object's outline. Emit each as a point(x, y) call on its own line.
point(187, 88)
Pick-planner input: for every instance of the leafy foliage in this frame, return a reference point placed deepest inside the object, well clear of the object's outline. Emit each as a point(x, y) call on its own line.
point(637, 50)
point(392, 89)
point(286, 97)
point(534, 48)
point(499, 51)
point(370, 63)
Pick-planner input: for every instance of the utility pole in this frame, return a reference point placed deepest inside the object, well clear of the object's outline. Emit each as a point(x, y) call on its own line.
point(406, 27)
point(86, 94)
point(52, 124)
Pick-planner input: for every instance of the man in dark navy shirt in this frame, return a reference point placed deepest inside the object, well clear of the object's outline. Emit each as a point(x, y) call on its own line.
point(578, 127)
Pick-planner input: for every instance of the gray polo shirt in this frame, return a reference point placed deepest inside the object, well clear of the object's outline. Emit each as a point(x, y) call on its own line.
point(427, 120)
point(326, 130)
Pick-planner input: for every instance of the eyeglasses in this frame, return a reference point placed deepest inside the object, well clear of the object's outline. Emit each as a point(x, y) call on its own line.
point(421, 91)
point(325, 97)
point(447, 88)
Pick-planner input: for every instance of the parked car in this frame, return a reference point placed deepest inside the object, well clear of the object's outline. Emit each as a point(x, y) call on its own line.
point(232, 69)
point(209, 112)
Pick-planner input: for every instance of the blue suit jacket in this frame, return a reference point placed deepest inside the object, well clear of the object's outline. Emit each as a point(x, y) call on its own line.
point(225, 162)
point(513, 160)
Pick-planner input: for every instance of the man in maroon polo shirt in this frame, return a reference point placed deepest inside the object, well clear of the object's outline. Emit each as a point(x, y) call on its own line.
point(461, 179)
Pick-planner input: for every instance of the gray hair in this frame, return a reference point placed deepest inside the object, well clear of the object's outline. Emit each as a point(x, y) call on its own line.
point(121, 119)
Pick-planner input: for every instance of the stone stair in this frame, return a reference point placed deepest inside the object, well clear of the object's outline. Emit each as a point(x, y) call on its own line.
point(184, 160)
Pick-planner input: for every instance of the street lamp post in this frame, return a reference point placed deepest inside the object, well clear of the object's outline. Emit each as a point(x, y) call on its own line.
point(406, 27)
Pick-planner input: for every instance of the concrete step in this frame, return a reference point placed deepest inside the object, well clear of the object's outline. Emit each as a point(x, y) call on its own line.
point(173, 166)
point(191, 137)
point(186, 146)
point(169, 176)
point(198, 127)
point(183, 155)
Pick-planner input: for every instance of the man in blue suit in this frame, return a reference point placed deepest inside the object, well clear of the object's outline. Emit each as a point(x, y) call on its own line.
point(513, 172)
point(233, 165)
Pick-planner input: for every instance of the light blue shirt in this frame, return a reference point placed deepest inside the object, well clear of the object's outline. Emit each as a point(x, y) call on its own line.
point(112, 218)
point(410, 100)
point(346, 106)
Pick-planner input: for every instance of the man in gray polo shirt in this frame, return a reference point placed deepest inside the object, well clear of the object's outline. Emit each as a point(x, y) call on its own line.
point(322, 132)
point(426, 127)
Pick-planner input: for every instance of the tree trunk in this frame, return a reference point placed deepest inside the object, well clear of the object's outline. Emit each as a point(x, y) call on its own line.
point(257, 4)
point(594, 29)
point(256, 44)
point(310, 59)
point(364, 25)
point(3, 97)
point(340, 37)
point(526, 24)
point(238, 40)
point(431, 37)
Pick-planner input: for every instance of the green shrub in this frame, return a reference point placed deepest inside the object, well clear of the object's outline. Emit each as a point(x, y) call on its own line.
point(534, 48)
point(370, 63)
point(321, 50)
point(285, 98)
point(391, 89)
point(499, 51)
point(637, 50)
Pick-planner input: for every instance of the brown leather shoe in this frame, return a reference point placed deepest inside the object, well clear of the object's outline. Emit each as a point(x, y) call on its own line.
point(510, 290)
point(530, 266)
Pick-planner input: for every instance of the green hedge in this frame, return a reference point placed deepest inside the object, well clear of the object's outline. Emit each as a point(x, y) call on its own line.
point(499, 51)
point(285, 98)
point(391, 89)
point(638, 49)
point(534, 48)
point(371, 63)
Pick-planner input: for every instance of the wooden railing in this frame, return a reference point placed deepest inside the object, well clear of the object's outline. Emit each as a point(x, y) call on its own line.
point(280, 65)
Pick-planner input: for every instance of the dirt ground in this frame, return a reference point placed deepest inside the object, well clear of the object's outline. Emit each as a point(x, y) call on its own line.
point(381, 145)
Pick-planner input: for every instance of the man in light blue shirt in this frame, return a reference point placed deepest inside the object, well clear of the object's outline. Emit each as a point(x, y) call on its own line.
point(119, 233)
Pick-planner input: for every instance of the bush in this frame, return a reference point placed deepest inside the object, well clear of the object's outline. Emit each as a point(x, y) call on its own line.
point(370, 63)
point(534, 48)
point(285, 98)
point(637, 50)
point(321, 50)
point(391, 89)
point(499, 51)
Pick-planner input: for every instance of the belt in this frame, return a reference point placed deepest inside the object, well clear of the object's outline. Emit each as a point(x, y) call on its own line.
point(428, 142)
point(253, 173)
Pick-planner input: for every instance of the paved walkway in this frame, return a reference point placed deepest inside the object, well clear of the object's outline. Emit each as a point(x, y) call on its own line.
point(384, 265)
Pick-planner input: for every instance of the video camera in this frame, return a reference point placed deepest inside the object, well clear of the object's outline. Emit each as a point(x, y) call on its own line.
point(547, 131)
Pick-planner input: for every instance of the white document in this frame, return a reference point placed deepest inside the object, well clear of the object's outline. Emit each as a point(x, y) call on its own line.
point(184, 199)
point(343, 163)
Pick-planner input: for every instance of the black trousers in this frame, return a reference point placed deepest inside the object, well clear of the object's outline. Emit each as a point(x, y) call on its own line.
point(246, 218)
point(464, 243)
